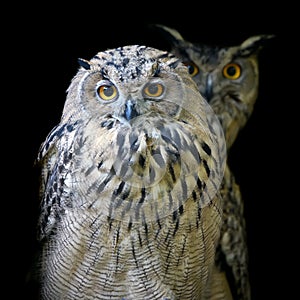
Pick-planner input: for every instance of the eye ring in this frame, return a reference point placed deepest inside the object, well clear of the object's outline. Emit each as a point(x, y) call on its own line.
point(154, 89)
point(192, 68)
point(232, 71)
point(107, 92)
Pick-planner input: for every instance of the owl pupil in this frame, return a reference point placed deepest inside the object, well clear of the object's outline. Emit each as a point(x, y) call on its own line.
point(231, 71)
point(191, 69)
point(153, 89)
point(108, 91)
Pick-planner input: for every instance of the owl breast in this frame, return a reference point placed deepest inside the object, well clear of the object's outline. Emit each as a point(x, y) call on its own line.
point(155, 162)
point(143, 222)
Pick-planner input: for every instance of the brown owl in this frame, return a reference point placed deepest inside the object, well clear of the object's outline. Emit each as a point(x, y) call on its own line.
point(130, 180)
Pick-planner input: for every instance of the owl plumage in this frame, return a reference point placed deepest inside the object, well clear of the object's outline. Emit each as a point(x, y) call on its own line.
point(228, 78)
point(130, 178)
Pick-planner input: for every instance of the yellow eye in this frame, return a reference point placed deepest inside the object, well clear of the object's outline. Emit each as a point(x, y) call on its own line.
point(193, 69)
point(107, 92)
point(154, 89)
point(232, 71)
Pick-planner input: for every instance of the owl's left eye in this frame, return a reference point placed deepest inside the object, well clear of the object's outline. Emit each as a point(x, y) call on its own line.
point(192, 68)
point(232, 71)
point(154, 89)
point(107, 92)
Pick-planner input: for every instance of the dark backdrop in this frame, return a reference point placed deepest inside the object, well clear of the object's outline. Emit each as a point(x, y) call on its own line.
point(47, 42)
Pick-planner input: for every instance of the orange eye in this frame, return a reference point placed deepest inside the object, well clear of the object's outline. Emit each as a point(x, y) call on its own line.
point(154, 89)
point(232, 71)
point(193, 69)
point(107, 92)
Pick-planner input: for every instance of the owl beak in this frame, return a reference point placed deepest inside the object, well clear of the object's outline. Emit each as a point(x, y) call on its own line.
point(208, 88)
point(130, 110)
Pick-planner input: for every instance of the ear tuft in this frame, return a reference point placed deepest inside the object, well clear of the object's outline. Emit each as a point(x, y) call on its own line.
point(84, 63)
point(171, 34)
point(254, 44)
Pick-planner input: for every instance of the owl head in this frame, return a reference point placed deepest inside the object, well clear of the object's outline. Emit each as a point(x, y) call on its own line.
point(227, 76)
point(129, 82)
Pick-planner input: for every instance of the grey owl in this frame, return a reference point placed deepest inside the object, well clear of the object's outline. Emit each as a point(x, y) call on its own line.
point(228, 78)
point(130, 178)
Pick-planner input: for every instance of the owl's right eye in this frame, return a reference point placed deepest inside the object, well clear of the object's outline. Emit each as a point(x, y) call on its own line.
point(232, 71)
point(107, 92)
point(192, 68)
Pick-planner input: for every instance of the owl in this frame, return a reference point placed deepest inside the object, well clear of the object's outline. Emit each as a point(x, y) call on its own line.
point(228, 78)
point(130, 183)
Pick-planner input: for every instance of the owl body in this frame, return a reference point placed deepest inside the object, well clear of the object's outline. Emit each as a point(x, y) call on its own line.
point(228, 78)
point(130, 177)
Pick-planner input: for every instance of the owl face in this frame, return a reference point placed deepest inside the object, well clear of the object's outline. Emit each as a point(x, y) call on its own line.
point(228, 77)
point(222, 72)
point(129, 84)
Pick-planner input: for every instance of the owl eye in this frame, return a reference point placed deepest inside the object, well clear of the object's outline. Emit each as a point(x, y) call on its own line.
point(232, 71)
point(154, 89)
point(192, 68)
point(107, 92)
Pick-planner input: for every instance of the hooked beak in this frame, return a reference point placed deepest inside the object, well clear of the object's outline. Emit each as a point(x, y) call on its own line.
point(130, 110)
point(208, 88)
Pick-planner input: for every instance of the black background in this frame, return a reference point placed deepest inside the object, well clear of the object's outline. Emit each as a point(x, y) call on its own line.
point(44, 44)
